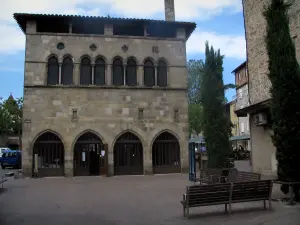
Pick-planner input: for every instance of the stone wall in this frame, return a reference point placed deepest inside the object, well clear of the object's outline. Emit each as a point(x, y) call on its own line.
point(257, 58)
point(107, 111)
point(40, 47)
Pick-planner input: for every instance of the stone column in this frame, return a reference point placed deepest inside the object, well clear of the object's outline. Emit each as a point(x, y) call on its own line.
point(140, 75)
point(124, 73)
point(111, 171)
point(93, 74)
point(148, 168)
point(108, 74)
point(59, 73)
point(69, 164)
point(184, 157)
point(76, 74)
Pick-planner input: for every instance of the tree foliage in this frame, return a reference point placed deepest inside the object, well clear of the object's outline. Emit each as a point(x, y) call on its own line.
point(195, 69)
point(284, 74)
point(11, 116)
point(215, 122)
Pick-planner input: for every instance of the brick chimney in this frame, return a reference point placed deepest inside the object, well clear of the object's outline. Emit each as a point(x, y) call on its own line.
point(169, 10)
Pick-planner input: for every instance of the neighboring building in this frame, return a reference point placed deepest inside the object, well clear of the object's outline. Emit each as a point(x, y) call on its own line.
point(242, 101)
point(105, 95)
point(263, 150)
point(230, 108)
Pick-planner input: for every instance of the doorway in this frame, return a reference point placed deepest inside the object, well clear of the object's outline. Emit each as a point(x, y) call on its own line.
point(90, 156)
point(128, 155)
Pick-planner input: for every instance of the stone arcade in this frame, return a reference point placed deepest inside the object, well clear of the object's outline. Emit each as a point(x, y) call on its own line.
point(104, 96)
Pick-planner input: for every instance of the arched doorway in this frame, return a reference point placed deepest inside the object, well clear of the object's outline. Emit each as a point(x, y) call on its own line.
point(128, 155)
point(48, 154)
point(90, 156)
point(166, 154)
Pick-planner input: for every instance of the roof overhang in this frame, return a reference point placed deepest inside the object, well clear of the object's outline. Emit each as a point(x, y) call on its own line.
point(22, 19)
point(253, 108)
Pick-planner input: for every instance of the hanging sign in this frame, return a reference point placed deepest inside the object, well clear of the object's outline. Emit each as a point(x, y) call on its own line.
point(83, 157)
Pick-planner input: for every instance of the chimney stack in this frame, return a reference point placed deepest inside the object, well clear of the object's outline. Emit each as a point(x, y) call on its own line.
point(169, 10)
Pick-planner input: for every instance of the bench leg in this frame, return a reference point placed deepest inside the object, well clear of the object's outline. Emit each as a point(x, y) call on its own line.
point(187, 213)
point(226, 211)
point(229, 208)
point(183, 211)
point(265, 204)
point(270, 204)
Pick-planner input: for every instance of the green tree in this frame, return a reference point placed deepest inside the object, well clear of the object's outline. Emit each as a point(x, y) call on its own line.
point(11, 116)
point(284, 74)
point(195, 69)
point(215, 122)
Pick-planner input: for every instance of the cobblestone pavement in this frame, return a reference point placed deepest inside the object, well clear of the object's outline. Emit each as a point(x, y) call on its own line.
point(124, 200)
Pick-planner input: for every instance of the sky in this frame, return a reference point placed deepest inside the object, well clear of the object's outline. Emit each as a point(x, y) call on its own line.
point(220, 22)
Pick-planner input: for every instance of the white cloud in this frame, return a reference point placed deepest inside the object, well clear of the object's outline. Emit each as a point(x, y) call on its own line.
point(13, 40)
point(230, 46)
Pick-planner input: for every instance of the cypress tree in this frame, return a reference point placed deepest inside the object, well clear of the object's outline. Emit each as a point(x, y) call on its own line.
point(284, 74)
point(215, 121)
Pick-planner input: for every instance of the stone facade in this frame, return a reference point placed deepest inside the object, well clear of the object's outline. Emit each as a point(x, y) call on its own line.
point(263, 151)
point(107, 111)
point(257, 58)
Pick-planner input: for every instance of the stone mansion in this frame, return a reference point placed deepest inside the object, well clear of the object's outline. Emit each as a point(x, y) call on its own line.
point(104, 96)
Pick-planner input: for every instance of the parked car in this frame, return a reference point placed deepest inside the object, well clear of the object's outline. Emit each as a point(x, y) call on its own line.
point(11, 158)
point(2, 151)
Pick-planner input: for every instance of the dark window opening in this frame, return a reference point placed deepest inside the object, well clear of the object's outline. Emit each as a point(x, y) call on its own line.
point(85, 71)
point(162, 74)
point(74, 114)
point(129, 29)
point(53, 25)
point(99, 74)
point(149, 74)
point(67, 71)
point(87, 27)
point(53, 71)
point(131, 76)
point(161, 30)
point(118, 72)
point(141, 114)
point(176, 115)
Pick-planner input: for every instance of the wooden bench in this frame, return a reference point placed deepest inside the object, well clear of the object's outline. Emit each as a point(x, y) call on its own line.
point(209, 176)
point(2, 181)
point(226, 193)
point(205, 195)
point(242, 176)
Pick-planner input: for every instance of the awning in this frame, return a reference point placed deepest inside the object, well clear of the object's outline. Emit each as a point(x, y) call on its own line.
point(240, 138)
point(197, 140)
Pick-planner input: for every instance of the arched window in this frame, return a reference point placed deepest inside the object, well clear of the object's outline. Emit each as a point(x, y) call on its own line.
point(67, 71)
point(131, 79)
point(53, 71)
point(149, 74)
point(162, 73)
point(118, 72)
point(99, 73)
point(86, 71)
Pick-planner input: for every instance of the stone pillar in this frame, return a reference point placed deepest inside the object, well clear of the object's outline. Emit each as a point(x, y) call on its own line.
point(76, 74)
point(148, 168)
point(108, 75)
point(59, 73)
point(169, 10)
point(140, 76)
point(93, 75)
point(184, 152)
point(26, 148)
point(108, 29)
point(31, 27)
point(69, 164)
point(111, 171)
point(180, 33)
